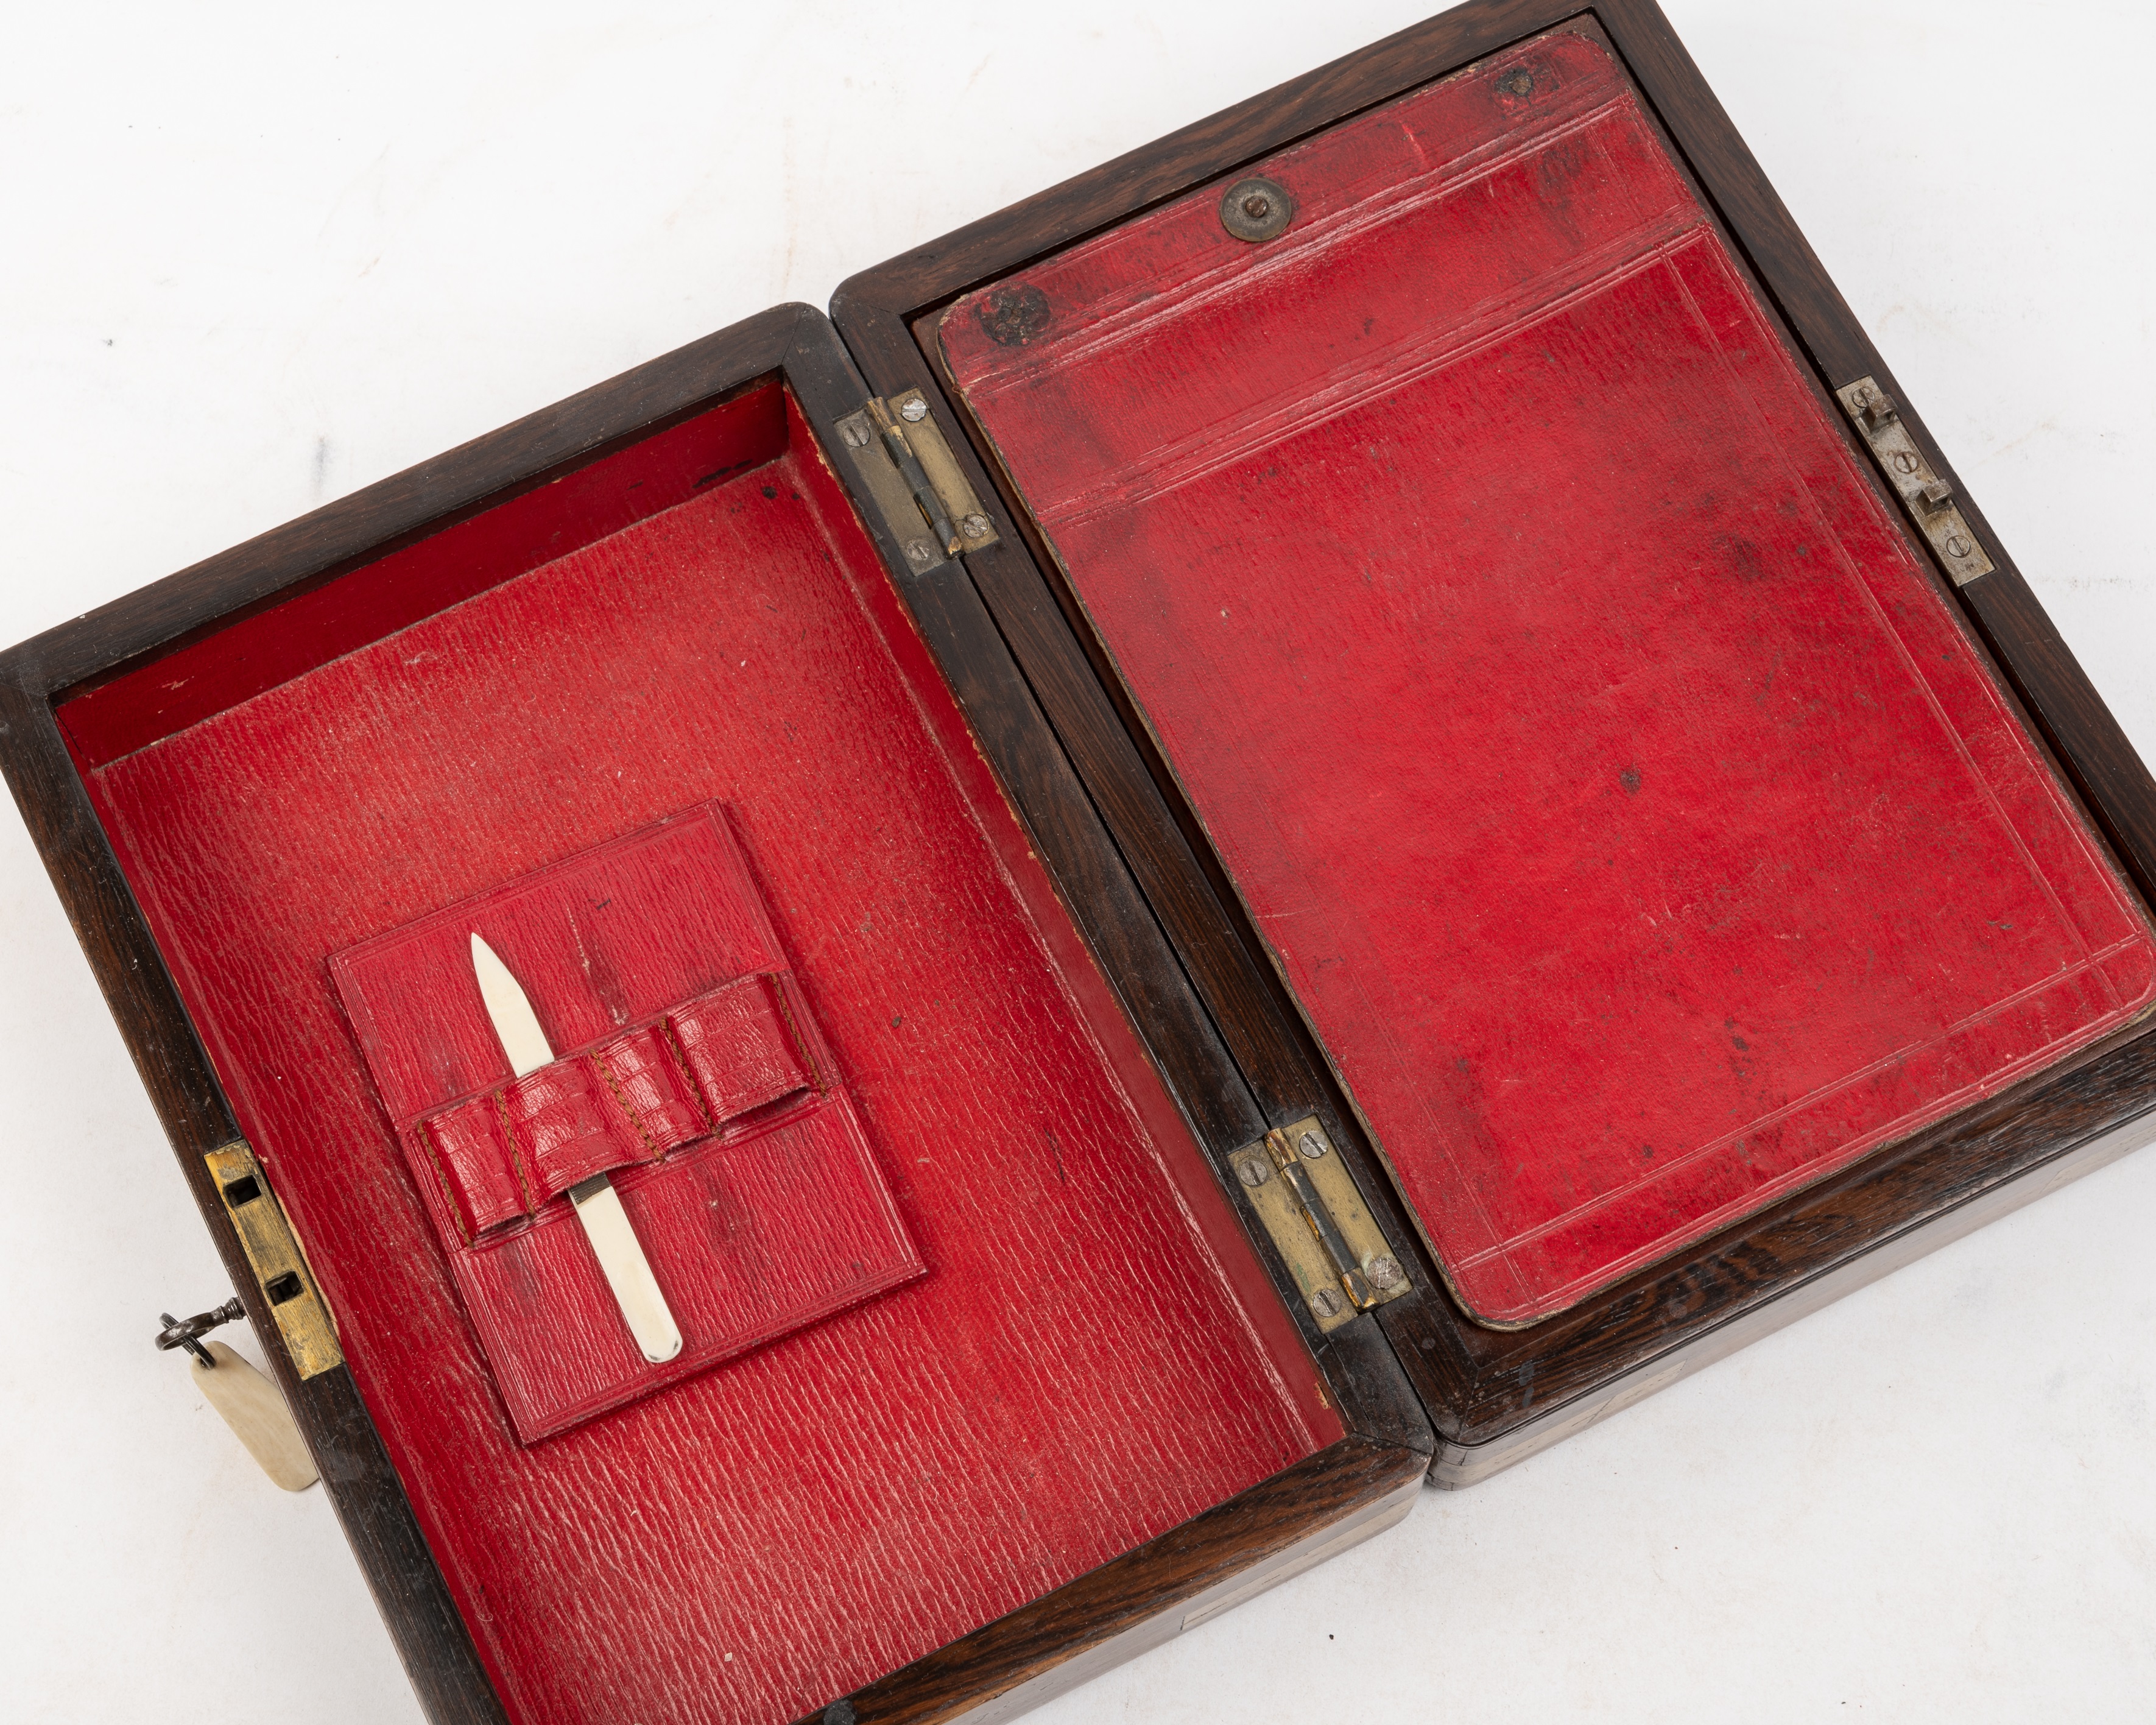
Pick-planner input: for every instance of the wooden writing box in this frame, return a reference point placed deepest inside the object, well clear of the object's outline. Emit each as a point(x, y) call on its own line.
point(482, 596)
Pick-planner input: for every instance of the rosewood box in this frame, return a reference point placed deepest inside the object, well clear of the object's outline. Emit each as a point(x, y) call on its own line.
point(1281, 824)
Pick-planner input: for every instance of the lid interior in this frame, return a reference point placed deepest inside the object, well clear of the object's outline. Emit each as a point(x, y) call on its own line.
point(1618, 797)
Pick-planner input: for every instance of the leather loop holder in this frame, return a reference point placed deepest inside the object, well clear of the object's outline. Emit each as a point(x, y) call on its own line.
point(637, 1097)
point(690, 1071)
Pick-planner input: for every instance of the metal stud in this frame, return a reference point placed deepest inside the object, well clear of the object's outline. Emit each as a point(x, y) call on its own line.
point(1256, 209)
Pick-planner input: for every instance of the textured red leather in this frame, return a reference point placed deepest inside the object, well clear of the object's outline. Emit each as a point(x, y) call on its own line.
point(739, 1044)
point(1094, 1356)
point(732, 1129)
point(1618, 794)
point(646, 1078)
point(480, 1167)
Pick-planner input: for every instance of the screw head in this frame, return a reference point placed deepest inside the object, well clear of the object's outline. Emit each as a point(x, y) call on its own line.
point(1325, 1303)
point(1254, 1172)
point(1958, 547)
point(1313, 1146)
point(855, 433)
point(974, 527)
point(1256, 209)
point(920, 553)
point(914, 412)
point(1384, 1272)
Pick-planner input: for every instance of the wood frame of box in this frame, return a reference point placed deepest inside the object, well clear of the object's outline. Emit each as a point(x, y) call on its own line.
point(1497, 1397)
point(1351, 1489)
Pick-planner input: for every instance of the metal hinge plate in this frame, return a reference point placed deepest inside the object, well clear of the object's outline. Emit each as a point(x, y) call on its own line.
point(899, 454)
point(280, 1267)
point(1927, 497)
point(1310, 1206)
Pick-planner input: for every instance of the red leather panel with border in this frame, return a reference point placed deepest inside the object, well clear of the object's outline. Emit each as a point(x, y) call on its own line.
point(1616, 791)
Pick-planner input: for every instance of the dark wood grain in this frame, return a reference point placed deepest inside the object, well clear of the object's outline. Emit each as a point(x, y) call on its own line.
point(1050, 796)
point(1496, 1396)
point(430, 1637)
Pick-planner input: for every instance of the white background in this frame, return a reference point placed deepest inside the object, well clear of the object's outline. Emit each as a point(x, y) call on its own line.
point(253, 257)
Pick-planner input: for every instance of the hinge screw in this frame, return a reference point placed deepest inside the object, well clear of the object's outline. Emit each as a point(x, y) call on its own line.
point(1384, 1272)
point(975, 527)
point(1253, 1173)
point(1326, 1303)
point(920, 553)
point(855, 432)
point(913, 411)
point(1314, 1146)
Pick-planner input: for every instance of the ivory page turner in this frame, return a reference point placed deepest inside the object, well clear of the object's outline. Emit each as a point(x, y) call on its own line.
point(621, 1257)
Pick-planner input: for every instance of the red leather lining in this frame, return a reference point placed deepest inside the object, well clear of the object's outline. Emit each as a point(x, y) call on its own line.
point(1093, 1359)
point(1617, 792)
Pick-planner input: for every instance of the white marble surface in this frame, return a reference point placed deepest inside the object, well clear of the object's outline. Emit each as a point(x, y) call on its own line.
point(257, 256)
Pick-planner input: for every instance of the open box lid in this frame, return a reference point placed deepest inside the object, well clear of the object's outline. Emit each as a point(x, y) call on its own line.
point(1551, 664)
point(1636, 830)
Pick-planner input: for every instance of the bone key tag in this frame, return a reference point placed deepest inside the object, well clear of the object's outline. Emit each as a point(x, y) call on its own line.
point(247, 1401)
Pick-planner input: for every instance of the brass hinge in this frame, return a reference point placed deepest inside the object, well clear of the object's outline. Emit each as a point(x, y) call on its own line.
point(1928, 498)
point(900, 457)
point(1311, 1207)
point(280, 1267)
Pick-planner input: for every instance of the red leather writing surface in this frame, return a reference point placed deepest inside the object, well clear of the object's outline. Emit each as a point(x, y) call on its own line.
point(1616, 792)
point(1094, 1356)
point(750, 1184)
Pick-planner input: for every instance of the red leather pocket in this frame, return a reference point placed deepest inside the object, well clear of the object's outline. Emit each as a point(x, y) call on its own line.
point(634, 1098)
point(746, 1170)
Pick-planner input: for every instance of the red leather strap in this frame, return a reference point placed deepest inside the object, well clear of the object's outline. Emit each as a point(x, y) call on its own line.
point(560, 1119)
point(479, 1163)
point(645, 1076)
point(741, 1048)
point(635, 1098)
